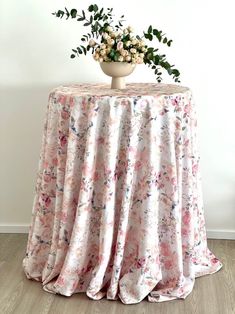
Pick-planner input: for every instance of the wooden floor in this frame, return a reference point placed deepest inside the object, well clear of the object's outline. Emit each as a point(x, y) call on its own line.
point(213, 294)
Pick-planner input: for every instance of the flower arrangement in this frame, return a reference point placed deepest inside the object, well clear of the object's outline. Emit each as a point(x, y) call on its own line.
point(112, 42)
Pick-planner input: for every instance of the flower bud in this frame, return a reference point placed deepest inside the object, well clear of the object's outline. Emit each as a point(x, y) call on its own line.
point(92, 43)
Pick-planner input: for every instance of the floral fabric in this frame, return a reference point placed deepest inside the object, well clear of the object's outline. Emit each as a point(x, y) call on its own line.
point(118, 210)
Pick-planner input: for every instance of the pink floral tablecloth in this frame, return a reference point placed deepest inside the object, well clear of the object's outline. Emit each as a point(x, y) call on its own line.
point(118, 210)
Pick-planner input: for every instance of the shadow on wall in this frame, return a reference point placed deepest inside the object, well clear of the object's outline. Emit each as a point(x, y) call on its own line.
point(22, 113)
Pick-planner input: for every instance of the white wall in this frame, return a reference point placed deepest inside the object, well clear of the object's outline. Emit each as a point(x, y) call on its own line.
point(34, 57)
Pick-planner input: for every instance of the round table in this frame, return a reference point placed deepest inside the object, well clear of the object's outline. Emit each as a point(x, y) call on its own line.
point(118, 210)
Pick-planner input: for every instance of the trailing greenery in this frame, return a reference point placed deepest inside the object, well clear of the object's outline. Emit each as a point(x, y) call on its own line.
point(118, 44)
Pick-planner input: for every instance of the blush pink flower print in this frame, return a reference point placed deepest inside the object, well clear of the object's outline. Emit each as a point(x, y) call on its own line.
point(140, 262)
point(186, 218)
point(60, 281)
point(65, 114)
point(169, 264)
point(46, 201)
point(138, 165)
point(62, 99)
point(63, 139)
point(47, 177)
point(100, 140)
point(195, 169)
point(165, 249)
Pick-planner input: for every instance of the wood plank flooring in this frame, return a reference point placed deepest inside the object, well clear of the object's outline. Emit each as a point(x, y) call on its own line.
point(213, 294)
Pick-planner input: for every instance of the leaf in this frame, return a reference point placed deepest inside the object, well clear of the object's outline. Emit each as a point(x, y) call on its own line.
point(165, 40)
point(176, 72)
point(95, 8)
point(84, 50)
point(157, 34)
point(169, 71)
point(156, 59)
point(91, 8)
point(81, 19)
point(72, 56)
point(60, 14)
point(79, 50)
point(73, 13)
point(67, 12)
point(150, 29)
point(169, 43)
point(148, 36)
point(87, 24)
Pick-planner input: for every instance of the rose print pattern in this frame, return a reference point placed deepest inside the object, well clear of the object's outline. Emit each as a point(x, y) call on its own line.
point(118, 210)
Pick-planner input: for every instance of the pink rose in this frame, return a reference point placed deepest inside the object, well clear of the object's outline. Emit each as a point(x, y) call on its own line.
point(119, 45)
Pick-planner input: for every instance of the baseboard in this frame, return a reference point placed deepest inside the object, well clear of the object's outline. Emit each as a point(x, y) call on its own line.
point(220, 234)
point(14, 228)
point(211, 234)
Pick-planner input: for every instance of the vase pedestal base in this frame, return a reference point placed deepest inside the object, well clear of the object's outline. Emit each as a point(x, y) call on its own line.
point(118, 83)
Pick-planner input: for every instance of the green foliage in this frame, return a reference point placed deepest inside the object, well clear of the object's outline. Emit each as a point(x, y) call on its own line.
point(98, 19)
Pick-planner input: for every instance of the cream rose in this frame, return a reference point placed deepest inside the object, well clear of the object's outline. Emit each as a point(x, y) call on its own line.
point(130, 29)
point(124, 52)
point(109, 29)
point(134, 42)
point(102, 52)
point(133, 50)
point(105, 36)
point(139, 60)
point(92, 43)
point(102, 46)
point(96, 56)
point(110, 42)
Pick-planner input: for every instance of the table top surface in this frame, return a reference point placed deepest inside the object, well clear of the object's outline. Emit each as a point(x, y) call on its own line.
point(133, 89)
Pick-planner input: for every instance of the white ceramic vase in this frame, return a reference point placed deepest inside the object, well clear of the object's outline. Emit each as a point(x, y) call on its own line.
point(118, 71)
